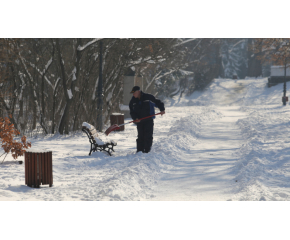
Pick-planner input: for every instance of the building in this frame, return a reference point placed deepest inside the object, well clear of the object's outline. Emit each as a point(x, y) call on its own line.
point(278, 75)
point(130, 80)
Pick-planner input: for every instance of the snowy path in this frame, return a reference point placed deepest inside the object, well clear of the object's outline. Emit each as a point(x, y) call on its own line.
point(229, 142)
point(204, 172)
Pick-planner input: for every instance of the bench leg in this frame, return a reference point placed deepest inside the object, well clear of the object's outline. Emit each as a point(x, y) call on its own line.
point(101, 148)
point(91, 150)
point(104, 149)
point(108, 151)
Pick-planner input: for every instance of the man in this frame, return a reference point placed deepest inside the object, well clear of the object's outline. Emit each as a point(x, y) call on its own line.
point(142, 105)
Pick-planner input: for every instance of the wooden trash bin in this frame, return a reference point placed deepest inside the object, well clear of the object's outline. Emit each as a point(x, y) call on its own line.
point(117, 118)
point(38, 168)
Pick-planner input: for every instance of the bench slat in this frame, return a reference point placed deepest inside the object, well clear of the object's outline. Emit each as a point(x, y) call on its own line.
point(92, 134)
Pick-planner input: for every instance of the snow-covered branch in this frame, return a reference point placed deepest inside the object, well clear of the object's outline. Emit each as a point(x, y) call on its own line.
point(146, 60)
point(239, 42)
point(32, 82)
point(158, 76)
point(185, 73)
point(44, 71)
point(23, 84)
point(81, 48)
point(186, 41)
point(70, 95)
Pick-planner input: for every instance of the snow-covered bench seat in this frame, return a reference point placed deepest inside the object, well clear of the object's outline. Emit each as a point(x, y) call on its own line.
point(96, 143)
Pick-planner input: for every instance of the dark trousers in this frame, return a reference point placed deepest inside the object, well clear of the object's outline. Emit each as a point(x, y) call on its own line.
point(145, 136)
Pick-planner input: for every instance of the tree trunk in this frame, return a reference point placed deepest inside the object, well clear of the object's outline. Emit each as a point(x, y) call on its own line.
point(10, 112)
point(64, 123)
point(53, 114)
point(254, 65)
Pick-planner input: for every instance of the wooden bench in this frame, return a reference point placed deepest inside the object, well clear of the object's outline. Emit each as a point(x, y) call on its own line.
point(96, 143)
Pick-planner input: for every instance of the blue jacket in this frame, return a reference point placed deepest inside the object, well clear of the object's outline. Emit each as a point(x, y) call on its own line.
point(145, 106)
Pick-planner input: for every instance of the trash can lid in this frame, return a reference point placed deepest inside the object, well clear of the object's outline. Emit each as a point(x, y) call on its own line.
point(37, 150)
point(117, 114)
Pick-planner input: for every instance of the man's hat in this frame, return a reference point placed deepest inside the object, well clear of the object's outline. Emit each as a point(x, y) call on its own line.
point(134, 89)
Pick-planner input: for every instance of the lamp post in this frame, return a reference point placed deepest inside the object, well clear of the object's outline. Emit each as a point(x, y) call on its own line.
point(100, 91)
point(285, 98)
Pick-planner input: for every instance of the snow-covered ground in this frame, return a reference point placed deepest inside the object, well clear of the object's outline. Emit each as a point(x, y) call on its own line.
point(229, 143)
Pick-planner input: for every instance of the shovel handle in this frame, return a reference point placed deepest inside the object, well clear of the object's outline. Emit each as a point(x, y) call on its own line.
point(140, 119)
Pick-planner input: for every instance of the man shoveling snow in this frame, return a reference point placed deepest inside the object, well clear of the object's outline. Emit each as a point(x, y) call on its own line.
point(142, 105)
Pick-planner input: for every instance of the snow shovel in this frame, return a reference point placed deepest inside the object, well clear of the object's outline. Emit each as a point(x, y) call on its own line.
point(116, 127)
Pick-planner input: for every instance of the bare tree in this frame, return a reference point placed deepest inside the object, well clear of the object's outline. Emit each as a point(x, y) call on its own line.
point(52, 84)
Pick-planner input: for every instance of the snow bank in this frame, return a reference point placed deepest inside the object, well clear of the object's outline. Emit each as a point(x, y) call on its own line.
point(256, 168)
point(264, 157)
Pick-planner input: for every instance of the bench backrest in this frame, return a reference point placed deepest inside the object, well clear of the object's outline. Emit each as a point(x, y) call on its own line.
point(92, 135)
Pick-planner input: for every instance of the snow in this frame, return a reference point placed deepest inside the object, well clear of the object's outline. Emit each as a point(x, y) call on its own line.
point(74, 74)
point(109, 96)
point(124, 107)
point(47, 65)
point(97, 139)
point(186, 41)
point(37, 150)
point(227, 143)
point(185, 73)
point(117, 114)
point(70, 95)
point(87, 125)
point(95, 89)
point(81, 48)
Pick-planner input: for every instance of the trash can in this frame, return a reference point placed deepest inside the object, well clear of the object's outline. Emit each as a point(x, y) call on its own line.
point(38, 168)
point(117, 118)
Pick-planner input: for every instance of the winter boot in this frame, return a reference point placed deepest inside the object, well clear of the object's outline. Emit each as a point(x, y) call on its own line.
point(140, 147)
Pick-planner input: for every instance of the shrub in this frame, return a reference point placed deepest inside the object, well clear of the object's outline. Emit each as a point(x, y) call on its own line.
point(7, 134)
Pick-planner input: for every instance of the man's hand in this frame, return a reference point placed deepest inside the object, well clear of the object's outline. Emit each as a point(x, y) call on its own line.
point(137, 120)
point(163, 112)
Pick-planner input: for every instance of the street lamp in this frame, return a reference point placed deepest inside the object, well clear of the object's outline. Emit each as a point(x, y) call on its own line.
point(285, 98)
point(100, 91)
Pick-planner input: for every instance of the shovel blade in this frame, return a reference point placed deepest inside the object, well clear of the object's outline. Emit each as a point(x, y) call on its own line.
point(112, 128)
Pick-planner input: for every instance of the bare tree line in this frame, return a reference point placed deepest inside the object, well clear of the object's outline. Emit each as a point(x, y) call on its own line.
point(53, 83)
